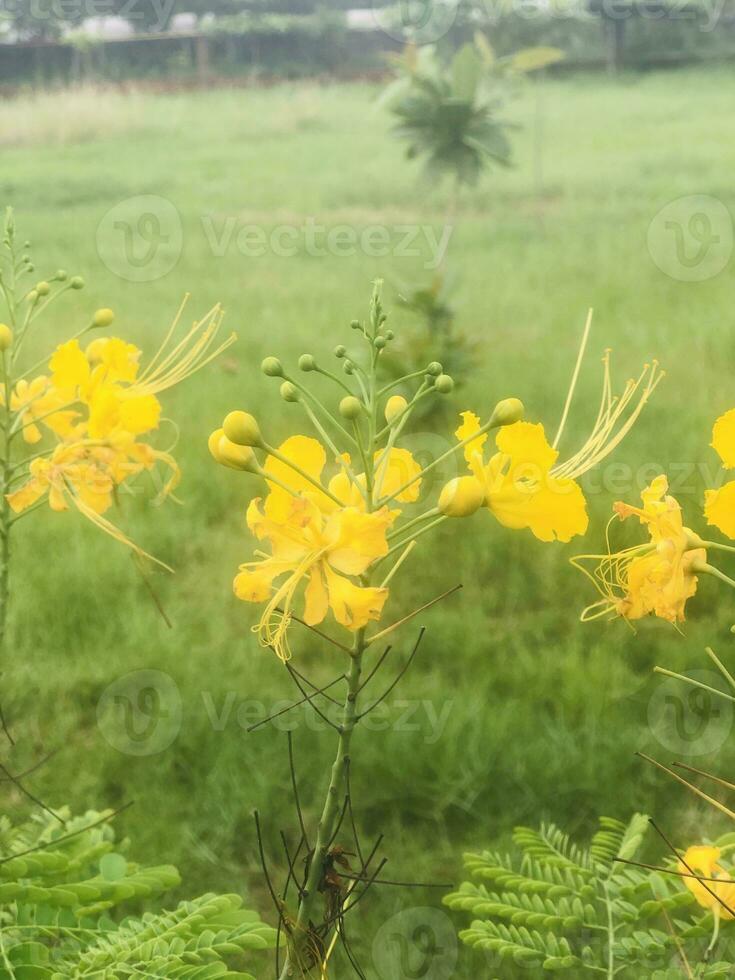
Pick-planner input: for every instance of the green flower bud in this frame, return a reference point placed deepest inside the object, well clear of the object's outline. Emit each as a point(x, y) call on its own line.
point(32, 296)
point(6, 337)
point(30, 267)
point(61, 275)
point(307, 363)
point(242, 429)
point(348, 367)
point(444, 384)
point(507, 411)
point(43, 288)
point(272, 367)
point(434, 368)
point(340, 351)
point(389, 335)
point(350, 407)
point(355, 324)
point(380, 343)
point(461, 497)
point(289, 392)
point(76, 282)
point(103, 318)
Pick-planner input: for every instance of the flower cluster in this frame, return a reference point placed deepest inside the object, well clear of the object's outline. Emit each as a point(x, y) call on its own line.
point(331, 533)
point(89, 417)
point(658, 576)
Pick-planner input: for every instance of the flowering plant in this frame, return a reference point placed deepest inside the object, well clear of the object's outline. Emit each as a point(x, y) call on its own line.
point(341, 515)
point(77, 435)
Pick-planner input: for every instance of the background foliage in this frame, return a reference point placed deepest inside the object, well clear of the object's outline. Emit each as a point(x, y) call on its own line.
point(542, 715)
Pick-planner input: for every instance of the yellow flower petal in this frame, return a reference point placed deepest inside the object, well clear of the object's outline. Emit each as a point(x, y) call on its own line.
point(356, 539)
point(309, 455)
point(316, 598)
point(354, 606)
point(255, 584)
point(553, 510)
point(114, 358)
point(526, 444)
point(723, 438)
point(140, 414)
point(470, 425)
point(703, 860)
point(69, 366)
point(394, 471)
point(27, 495)
point(719, 508)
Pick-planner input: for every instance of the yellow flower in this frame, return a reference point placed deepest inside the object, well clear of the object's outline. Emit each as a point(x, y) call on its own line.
point(703, 860)
point(323, 549)
point(36, 402)
point(71, 471)
point(519, 483)
point(719, 505)
point(525, 485)
point(655, 578)
point(112, 403)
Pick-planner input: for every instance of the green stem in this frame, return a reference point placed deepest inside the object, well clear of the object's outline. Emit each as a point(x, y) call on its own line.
point(300, 945)
point(610, 935)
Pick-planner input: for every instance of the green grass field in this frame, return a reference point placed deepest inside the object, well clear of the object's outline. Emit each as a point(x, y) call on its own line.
point(514, 712)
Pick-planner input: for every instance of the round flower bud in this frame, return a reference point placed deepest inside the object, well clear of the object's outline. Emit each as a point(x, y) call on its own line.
point(507, 411)
point(43, 288)
point(289, 392)
point(242, 429)
point(444, 384)
point(348, 367)
point(76, 282)
point(350, 407)
point(228, 454)
point(272, 367)
point(30, 266)
point(103, 318)
point(434, 368)
point(355, 324)
point(461, 497)
point(6, 336)
point(380, 343)
point(389, 335)
point(61, 275)
point(340, 350)
point(395, 406)
point(32, 296)
point(307, 363)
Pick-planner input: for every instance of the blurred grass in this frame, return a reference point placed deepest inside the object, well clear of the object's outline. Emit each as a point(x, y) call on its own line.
point(542, 715)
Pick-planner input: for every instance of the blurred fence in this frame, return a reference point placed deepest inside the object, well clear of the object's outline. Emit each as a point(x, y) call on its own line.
point(294, 46)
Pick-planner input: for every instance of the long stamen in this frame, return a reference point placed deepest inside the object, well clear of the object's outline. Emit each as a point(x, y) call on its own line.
point(575, 377)
point(608, 432)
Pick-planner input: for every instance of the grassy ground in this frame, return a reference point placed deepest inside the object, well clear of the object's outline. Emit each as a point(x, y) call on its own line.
point(518, 712)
